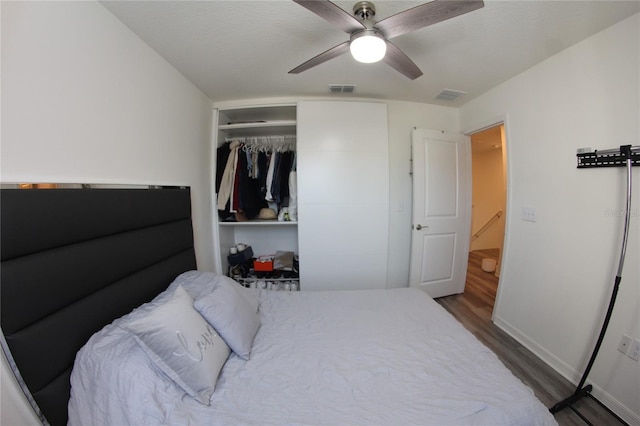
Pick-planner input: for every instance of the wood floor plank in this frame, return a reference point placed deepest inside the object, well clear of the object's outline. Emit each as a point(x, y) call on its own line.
point(473, 309)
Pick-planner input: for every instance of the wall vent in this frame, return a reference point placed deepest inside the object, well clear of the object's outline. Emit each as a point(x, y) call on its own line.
point(342, 88)
point(449, 95)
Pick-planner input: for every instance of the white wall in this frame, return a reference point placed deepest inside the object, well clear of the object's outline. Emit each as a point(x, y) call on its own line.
point(85, 100)
point(558, 273)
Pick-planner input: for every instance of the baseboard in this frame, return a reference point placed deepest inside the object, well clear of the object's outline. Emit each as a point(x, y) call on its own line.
point(615, 406)
point(566, 371)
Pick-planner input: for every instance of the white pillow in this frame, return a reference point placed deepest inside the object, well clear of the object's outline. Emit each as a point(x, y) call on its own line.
point(182, 344)
point(231, 315)
point(250, 295)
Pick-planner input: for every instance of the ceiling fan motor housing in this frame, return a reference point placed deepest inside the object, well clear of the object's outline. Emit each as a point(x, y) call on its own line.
point(365, 10)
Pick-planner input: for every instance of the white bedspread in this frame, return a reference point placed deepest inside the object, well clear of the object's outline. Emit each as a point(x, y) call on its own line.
point(391, 357)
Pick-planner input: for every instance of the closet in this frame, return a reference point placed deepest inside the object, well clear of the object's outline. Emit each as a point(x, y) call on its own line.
point(342, 190)
point(261, 142)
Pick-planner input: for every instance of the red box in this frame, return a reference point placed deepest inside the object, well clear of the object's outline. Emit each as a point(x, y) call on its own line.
point(263, 264)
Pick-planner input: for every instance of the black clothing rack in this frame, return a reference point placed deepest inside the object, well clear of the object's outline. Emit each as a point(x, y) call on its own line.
point(609, 157)
point(626, 156)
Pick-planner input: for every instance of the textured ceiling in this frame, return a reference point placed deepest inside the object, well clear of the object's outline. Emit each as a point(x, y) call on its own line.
point(244, 49)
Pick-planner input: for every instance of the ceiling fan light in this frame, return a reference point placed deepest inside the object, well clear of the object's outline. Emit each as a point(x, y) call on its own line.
point(368, 48)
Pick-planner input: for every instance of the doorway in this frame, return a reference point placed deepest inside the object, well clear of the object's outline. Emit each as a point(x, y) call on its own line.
point(488, 213)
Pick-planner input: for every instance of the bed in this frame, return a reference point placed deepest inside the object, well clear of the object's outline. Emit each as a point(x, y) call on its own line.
point(249, 356)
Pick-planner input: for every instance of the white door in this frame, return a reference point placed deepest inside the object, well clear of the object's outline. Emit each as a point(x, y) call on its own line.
point(343, 195)
point(441, 212)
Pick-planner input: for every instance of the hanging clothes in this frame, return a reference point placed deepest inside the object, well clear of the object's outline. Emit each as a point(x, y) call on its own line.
point(280, 183)
point(263, 167)
point(293, 196)
point(249, 200)
point(254, 177)
point(236, 206)
point(226, 183)
point(293, 189)
point(222, 155)
point(272, 162)
point(254, 165)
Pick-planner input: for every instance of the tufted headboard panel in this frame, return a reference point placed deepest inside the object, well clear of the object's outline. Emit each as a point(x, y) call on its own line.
point(72, 261)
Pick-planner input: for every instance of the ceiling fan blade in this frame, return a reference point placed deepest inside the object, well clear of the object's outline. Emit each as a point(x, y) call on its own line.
point(425, 15)
point(332, 13)
point(398, 60)
point(323, 57)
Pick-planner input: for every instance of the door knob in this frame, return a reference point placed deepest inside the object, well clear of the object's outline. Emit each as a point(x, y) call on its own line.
point(419, 227)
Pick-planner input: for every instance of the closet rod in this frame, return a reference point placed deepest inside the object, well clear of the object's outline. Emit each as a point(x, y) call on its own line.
point(276, 143)
point(262, 139)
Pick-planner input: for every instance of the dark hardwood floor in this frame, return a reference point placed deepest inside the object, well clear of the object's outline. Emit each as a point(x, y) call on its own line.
point(473, 309)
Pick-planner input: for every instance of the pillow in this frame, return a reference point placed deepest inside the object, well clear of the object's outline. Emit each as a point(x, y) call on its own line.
point(182, 344)
point(232, 316)
point(250, 295)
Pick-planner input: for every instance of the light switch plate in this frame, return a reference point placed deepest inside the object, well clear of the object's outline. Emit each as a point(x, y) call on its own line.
point(634, 353)
point(625, 344)
point(529, 214)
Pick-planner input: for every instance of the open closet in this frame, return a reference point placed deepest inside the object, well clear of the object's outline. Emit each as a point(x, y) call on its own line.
point(254, 179)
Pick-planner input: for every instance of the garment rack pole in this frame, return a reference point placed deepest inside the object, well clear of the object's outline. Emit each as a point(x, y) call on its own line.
point(581, 390)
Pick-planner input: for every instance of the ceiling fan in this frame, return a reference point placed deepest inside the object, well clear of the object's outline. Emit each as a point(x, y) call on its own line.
point(369, 35)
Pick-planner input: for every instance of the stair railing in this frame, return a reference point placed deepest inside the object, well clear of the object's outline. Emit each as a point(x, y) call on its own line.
point(487, 225)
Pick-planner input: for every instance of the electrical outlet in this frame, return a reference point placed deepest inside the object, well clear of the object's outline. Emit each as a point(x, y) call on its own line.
point(634, 353)
point(625, 344)
point(529, 214)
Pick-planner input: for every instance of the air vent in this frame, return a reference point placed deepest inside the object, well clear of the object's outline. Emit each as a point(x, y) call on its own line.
point(342, 88)
point(449, 95)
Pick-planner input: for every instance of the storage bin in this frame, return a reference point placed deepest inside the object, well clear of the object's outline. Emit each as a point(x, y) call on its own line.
point(239, 258)
point(488, 265)
point(263, 264)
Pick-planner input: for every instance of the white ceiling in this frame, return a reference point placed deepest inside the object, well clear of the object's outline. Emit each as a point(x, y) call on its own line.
point(244, 49)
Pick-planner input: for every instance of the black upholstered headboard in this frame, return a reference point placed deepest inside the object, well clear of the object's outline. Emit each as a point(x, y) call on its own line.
point(73, 260)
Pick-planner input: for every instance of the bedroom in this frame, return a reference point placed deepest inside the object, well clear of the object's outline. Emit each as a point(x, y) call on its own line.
point(78, 105)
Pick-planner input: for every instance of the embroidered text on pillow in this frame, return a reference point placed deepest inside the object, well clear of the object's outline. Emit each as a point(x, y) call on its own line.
point(207, 340)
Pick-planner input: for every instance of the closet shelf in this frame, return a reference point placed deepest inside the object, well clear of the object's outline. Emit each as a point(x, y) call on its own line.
point(266, 128)
point(259, 223)
point(260, 124)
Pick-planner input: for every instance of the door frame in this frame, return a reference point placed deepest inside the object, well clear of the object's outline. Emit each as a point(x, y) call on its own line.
point(478, 127)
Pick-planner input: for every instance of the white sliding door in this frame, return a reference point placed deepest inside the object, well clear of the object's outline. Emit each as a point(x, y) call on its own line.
point(343, 195)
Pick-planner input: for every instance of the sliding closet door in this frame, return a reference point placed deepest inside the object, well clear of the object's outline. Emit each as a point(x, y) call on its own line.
point(343, 195)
